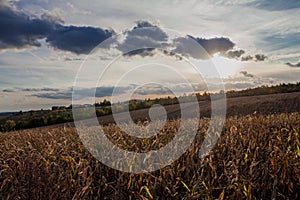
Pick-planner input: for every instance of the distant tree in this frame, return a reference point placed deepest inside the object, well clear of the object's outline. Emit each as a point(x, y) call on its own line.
point(100, 112)
point(2, 129)
point(10, 125)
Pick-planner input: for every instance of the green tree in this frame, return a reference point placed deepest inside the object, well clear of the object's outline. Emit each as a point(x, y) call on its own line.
point(10, 125)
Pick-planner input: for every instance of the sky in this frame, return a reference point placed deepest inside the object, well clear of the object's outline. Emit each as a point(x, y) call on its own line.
point(49, 48)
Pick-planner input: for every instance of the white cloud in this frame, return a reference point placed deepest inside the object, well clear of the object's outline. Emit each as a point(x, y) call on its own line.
point(75, 10)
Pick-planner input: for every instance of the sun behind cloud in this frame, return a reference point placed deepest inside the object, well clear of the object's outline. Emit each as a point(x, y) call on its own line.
point(226, 66)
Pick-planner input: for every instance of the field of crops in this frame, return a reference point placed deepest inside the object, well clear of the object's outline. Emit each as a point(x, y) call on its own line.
point(257, 157)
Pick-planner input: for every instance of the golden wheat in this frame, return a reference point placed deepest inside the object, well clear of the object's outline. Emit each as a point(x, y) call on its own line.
point(256, 157)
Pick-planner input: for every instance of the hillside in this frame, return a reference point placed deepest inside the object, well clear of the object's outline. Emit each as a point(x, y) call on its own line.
point(261, 104)
point(38, 118)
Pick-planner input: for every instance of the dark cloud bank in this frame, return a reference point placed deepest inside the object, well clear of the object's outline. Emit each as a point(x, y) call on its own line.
point(145, 35)
point(215, 45)
point(19, 30)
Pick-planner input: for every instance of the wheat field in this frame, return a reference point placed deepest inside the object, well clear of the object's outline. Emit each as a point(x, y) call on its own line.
point(256, 157)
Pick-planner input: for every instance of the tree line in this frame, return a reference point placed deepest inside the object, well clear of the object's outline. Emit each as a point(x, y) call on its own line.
point(31, 119)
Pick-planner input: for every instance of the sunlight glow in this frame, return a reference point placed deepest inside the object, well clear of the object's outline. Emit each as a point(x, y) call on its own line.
point(226, 66)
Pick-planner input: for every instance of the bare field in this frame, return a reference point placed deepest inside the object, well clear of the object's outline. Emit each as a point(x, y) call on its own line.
point(238, 106)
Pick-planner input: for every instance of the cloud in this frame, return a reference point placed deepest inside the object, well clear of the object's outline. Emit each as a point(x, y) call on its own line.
point(20, 31)
point(75, 10)
point(247, 58)
point(81, 93)
point(57, 95)
point(275, 5)
point(146, 39)
point(152, 89)
point(246, 74)
point(235, 54)
point(17, 89)
point(106, 91)
point(143, 39)
point(293, 65)
point(151, 52)
point(8, 90)
point(282, 41)
point(55, 16)
point(39, 89)
point(172, 54)
point(260, 57)
point(239, 85)
point(149, 30)
point(79, 40)
point(141, 52)
point(214, 45)
point(256, 58)
point(187, 47)
point(5, 3)
point(191, 46)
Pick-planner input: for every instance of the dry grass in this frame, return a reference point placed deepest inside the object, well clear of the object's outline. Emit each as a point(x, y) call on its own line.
point(257, 157)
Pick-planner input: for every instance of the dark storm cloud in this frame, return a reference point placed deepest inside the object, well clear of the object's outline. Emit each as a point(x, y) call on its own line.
point(276, 5)
point(293, 65)
point(79, 40)
point(19, 31)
